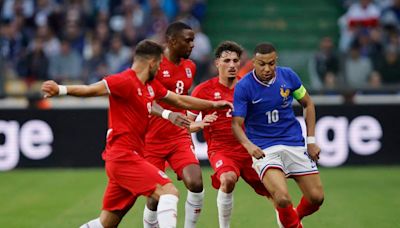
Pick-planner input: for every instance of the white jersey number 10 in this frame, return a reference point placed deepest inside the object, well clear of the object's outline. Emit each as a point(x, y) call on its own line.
point(272, 116)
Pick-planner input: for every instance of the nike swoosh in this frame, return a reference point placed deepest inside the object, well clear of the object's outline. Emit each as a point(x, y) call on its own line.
point(256, 101)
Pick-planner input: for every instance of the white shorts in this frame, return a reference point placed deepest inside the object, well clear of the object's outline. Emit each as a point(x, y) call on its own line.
point(292, 160)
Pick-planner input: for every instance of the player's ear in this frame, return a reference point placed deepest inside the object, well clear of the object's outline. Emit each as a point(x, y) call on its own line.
point(216, 62)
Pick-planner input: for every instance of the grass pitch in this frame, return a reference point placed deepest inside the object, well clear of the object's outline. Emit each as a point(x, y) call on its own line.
point(46, 198)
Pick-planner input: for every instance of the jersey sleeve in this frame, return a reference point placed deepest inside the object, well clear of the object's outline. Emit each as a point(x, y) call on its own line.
point(298, 89)
point(118, 85)
point(159, 90)
point(240, 100)
point(196, 93)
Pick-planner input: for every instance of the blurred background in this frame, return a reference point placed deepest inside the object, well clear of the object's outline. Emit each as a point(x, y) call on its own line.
point(345, 51)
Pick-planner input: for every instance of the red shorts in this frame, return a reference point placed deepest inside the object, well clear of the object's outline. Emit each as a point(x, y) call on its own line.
point(178, 154)
point(129, 179)
point(241, 164)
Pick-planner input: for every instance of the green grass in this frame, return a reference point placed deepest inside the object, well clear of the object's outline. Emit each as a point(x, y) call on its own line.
point(354, 197)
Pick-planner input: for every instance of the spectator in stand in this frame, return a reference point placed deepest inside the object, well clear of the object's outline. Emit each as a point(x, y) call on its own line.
point(357, 68)
point(324, 65)
point(201, 54)
point(95, 66)
point(389, 69)
point(66, 66)
point(34, 66)
point(391, 15)
point(51, 44)
point(118, 54)
point(360, 15)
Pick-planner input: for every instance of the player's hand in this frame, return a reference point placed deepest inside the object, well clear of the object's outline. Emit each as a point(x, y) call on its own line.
point(206, 121)
point(179, 119)
point(255, 151)
point(50, 89)
point(222, 105)
point(314, 151)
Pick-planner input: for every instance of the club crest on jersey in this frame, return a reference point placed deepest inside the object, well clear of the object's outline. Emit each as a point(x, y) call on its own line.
point(188, 72)
point(218, 163)
point(217, 96)
point(285, 95)
point(162, 174)
point(166, 74)
point(139, 92)
point(151, 91)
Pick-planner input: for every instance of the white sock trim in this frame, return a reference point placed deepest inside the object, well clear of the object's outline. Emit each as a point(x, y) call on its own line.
point(95, 223)
point(149, 217)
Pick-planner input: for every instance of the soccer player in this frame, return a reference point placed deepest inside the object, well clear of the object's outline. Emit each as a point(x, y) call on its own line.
point(131, 94)
point(227, 156)
point(166, 142)
point(273, 136)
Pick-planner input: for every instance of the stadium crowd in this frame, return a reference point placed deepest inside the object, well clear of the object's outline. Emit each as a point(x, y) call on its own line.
point(367, 56)
point(81, 41)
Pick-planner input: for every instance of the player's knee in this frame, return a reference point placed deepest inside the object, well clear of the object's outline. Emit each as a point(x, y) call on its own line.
point(317, 198)
point(170, 189)
point(228, 181)
point(194, 184)
point(282, 199)
point(110, 219)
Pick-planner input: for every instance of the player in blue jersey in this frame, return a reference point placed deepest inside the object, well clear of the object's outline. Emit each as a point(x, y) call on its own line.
point(273, 136)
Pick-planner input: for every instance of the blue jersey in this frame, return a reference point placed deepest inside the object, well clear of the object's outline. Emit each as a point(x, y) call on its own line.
point(267, 109)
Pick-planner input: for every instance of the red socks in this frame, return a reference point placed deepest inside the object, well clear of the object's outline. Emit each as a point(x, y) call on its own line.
point(288, 217)
point(306, 208)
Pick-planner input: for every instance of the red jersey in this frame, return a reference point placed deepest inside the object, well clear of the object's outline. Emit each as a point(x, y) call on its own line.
point(128, 116)
point(219, 135)
point(179, 79)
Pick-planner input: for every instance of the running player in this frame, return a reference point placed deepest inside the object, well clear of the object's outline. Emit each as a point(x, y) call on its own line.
point(227, 156)
point(131, 94)
point(166, 142)
point(263, 102)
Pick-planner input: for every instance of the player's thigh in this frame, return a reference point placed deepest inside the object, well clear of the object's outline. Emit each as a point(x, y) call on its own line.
point(311, 186)
point(138, 176)
point(182, 156)
point(250, 176)
point(221, 164)
point(275, 182)
point(117, 198)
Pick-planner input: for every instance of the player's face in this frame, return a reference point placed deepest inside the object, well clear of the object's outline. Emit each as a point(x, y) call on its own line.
point(183, 43)
point(264, 65)
point(228, 64)
point(153, 68)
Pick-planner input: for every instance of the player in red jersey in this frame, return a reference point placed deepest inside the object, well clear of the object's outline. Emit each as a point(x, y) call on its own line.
point(227, 156)
point(166, 142)
point(131, 94)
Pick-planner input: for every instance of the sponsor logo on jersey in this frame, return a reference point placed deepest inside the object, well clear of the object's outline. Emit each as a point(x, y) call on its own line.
point(151, 91)
point(217, 96)
point(188, 72)
point(166, 74)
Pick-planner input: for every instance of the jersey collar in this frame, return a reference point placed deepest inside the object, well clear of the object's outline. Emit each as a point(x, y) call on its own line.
point(268, 84)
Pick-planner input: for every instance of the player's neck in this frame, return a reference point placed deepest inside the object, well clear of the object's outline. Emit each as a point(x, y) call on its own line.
point(141, 71)
point(229, 82)
point(171, 56)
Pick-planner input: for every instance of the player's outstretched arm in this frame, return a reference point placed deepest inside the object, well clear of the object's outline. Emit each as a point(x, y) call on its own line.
point(196, 126)
point(176, 118)
point(309, 116)
point(253, 150)
point(193, 103)
point(51, 89)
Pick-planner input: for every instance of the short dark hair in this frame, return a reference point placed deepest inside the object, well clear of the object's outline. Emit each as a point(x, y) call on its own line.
point(228, 46)
point(147, 48)
point(264, 48)
point(175, 28)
